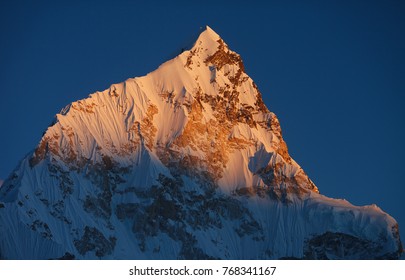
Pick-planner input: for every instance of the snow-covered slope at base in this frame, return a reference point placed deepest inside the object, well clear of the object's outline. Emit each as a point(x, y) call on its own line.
point(185, 162)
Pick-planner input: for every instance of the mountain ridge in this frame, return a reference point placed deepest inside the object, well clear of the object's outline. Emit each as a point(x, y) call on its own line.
point(168, 164)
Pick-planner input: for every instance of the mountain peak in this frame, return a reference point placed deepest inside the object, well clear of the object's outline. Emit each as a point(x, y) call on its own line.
point(208, 42)
point(165, 165)
point(209, 34)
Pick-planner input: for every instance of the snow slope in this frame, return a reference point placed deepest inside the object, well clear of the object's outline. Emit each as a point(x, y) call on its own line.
point(183, 163)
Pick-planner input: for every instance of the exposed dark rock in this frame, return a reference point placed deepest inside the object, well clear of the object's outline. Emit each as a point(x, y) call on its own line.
point(42, 228)
point(66, 256)
point(94, 241)
point(126, 210)
point(189, 251)
point(337, 245)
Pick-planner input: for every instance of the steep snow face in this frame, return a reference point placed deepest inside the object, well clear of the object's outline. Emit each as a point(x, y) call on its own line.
point(185, 162)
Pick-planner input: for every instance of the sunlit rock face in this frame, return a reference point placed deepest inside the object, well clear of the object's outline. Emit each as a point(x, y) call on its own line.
point(186, 162)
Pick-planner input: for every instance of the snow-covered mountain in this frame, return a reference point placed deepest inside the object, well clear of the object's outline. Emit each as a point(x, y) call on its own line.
point(186, 162)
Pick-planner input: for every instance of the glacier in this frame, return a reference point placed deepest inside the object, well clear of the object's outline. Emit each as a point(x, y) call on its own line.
point(186, 162)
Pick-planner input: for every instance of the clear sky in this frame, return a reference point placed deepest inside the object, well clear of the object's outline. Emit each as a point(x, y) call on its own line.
point(332, 71)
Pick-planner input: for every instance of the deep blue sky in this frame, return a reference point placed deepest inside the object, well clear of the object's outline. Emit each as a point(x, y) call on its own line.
point(332, 71)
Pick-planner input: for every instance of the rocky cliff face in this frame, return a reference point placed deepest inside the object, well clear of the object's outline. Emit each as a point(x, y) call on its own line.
point(186, 162)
